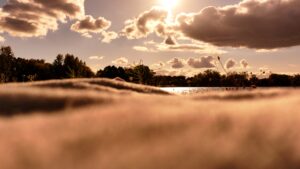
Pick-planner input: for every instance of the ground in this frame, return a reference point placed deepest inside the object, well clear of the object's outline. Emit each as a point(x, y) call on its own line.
point(107, 124)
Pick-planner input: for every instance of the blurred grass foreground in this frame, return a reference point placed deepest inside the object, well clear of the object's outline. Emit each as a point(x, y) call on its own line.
point(109, 124)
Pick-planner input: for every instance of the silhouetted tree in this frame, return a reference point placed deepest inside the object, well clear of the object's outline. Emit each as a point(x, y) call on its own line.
point(265, 82)
point(167, 81)
point(22, 70)
point(143, 74)
point(296, 80)
point(138, 74)
point(234, 79)
point(112, 72)
point(280, 80)
point(209, 78)
point(7, 68)
point(58, 67)
point(75, 68)
point(253, 80)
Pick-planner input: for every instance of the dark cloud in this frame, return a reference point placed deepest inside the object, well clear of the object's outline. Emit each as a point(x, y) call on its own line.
point(202, 62)
point(89, 25)
point(261, 24)
point(68, 7)
point(18, 25)
point(176, 63)
point(16, 8)
point(34, 18)
point(170, 41)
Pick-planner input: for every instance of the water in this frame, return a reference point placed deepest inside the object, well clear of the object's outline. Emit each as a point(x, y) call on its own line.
point(195, 90)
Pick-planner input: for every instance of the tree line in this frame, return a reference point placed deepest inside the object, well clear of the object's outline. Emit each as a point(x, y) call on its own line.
point(68, 66)
point(14, 69)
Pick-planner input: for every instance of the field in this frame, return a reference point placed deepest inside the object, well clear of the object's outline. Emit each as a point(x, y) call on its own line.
point(107, 124)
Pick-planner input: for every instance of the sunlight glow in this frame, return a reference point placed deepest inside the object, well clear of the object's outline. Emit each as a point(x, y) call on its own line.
point(169, 4)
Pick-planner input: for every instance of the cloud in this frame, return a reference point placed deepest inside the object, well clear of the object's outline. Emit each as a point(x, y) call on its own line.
point(199, 48)
point(244, 63)
point(176, 72)
point(260, 24)
point(181, 47)
point(266, 50)
point(35, 18)
point(230, 63)
point(89, 24)
point(156, 21)
point(293, 65)
point(159, 68)
point(147, 22)
point(264, 72)
point(202, 62)
point(122, 61)
point(2, 39)
point(158, 65)
point(170, 41)
point(96, 57)
point(176, 63)
point(144, 49)
point(109, 36)
point(264, 69)
point(69, 7)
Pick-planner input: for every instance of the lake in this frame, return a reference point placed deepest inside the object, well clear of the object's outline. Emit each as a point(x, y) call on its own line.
point(195, 90)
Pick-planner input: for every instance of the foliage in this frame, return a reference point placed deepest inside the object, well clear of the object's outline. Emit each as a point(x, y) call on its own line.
point(113, 72)
point(139, 74)
point(296, 80)
point(236, 80)
point(280, 80)
point(169, 81)
point(14, 69)
point(208, 78)
point(6, 64)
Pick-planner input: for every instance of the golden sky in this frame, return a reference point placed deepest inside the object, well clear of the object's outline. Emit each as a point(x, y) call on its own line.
point(173, 37)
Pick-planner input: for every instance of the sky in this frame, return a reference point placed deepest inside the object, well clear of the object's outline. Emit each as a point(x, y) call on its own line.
point(173, 37)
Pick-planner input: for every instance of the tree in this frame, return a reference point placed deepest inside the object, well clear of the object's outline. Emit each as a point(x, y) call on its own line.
point(209, 78)
point(296, 80)
point(112, 72)
point(7, 68)
point(75, 68)
point(143, 74)
point(280, 80)
point(254, 80)
point(58, 67)
point(175, 81)
point(234, 79)
point(31, 70)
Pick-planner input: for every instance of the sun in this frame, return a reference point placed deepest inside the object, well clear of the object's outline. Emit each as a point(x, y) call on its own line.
point(169, 4)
